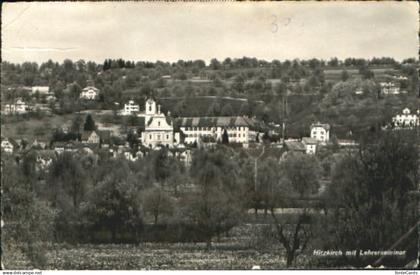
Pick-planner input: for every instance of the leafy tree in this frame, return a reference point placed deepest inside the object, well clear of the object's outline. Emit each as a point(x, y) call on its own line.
point(28, 221)
point(370, 199)
point(302, 171)
point(114, 204)
point(89, 123)
point(67, 176)
point(157, 202)
point(344, 75)
point(227, 110)
point(213, 206)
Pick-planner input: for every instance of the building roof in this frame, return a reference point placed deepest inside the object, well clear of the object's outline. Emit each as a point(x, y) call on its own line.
point(90, 88)
point(295, 145)
point(326, 126)
point(227, 121)
point(86, 135)
point(11, 140)
point(308, 140)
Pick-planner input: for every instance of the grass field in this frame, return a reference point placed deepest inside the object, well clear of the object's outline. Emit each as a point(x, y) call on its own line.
point(232, 253)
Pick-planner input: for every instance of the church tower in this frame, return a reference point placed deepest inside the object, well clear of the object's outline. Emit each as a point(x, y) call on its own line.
point(150, 107)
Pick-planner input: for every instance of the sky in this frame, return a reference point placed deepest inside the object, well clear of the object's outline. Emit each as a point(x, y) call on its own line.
point(168, 31)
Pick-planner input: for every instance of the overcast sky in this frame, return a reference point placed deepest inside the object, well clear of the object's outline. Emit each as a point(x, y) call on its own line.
point(164, 31)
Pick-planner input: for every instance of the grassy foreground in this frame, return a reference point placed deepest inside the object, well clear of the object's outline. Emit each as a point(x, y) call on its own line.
point(233, 252)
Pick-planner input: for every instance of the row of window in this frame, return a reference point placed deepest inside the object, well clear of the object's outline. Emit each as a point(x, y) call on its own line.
point(231, 135)
point(158, 137)
point(210, 128)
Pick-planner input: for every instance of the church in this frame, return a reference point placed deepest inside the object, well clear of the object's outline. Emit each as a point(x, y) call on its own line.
point(158, 129)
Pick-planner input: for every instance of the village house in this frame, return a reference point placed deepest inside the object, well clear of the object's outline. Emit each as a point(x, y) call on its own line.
point(130, 108)
point(42, 90)
point(8, 145)
point(90, 137)
point(406, 119)
point(310, 145)
point(89, 93)
point(389, 88)
point(19, 107)
point(239, 129)
point(320, 132)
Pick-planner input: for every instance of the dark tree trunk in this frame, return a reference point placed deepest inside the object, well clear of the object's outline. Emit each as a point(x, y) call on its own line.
point(289, 258)
point(208, 243)
point(114, 235)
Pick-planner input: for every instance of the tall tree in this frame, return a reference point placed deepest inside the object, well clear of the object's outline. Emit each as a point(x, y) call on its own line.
point(371, 200)
point(89, 123)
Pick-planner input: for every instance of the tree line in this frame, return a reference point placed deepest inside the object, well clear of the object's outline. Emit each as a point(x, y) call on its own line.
point(367, 202)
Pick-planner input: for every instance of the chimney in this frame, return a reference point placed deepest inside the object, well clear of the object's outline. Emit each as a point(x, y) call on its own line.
point(158, 109)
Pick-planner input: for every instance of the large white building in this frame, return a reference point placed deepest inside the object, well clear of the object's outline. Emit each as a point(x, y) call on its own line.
point(130, 108)
point(239, 129)
point(19, 107)
point(158, 129)
point(89, 93)
point(320, 132)
point(389, 88)
point(406, 119)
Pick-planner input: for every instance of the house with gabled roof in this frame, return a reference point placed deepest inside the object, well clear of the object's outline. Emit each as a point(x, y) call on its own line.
point(320, 132)
point(91, 137)
point(89, 93)
point(310, 145)
point(8, 145)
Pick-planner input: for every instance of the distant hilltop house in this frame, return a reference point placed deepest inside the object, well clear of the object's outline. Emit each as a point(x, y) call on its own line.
point(401, 77)
point(406, 119)
point(19, 107)
point(130, 108)
point(389, 88)
point(239, 129)
point(320, 132)
point(158, 130)
point(8, 145)
point(89, 93)
point(40, 89)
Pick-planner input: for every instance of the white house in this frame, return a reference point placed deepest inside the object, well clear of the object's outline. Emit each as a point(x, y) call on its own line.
point(40, 89)
point(406, 119)
point(389, 88)
point(19, 107)
point(211, 129)
point(320, 132)
point(89, 93)
point(158, 129)
point(130, 108)
point(7, 145)
point(310, 145)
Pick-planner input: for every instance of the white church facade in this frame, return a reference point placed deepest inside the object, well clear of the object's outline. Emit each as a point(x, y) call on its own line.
point(158, 128)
